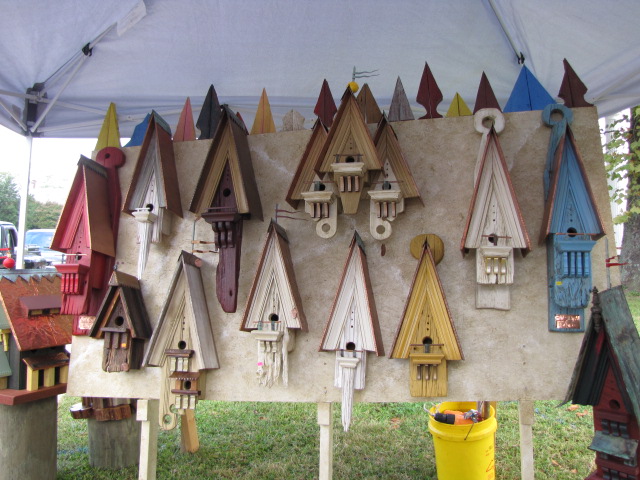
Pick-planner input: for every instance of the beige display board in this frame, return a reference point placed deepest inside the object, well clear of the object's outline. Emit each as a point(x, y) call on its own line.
point(509, 355)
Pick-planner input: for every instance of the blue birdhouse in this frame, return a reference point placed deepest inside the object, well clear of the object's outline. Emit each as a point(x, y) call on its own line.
point(570, 227)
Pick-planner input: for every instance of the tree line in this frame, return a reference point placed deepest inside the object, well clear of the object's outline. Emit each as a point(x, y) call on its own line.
point(39, 214)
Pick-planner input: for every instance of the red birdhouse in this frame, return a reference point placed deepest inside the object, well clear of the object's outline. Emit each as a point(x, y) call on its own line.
point(606, 377)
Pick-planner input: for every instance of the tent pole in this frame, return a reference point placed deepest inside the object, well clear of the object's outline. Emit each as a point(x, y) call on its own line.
point(22, 220)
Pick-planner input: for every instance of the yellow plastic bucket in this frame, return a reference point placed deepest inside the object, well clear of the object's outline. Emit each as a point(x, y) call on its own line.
point(464, 452)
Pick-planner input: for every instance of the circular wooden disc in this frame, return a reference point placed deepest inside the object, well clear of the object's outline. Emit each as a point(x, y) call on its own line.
point(435, 244)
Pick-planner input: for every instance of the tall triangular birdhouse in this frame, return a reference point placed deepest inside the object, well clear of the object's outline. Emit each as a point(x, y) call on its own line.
point(154, 194)
point(274, 309)
point(353, 328)
point(182, 342)
point(349, 153)
point(606, 377)
point(123, 323)
point(426, 334)
point(494, 226)
point(320, 198)
point(571, 224)
point(391, 185)
point(226, 194)
point(84, 233)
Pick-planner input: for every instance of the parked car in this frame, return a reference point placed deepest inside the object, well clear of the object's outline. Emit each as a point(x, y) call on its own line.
point(41, 237)
point(8, 243)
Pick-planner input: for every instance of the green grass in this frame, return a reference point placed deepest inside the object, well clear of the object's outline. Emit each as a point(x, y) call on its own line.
point(386, 441)
point(263, 441)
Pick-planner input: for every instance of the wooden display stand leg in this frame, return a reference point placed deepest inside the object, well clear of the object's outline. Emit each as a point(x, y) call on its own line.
point(29, 439)
point(525, 409)
point(325, 420)
point(147, 415)
point(189, 441)
point(113, 443)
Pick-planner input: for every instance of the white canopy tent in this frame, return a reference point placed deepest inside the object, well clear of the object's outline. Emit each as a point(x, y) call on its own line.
point(72, 57)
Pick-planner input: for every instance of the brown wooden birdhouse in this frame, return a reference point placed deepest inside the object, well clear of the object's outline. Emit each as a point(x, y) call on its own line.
point(352, 329)
point(154, 194)
point(274, 309)
point(123, 323)
point(391, 185)
point(606, 377)
point(426, 334)
point(225, 195)
point(494, 226)
point(85, 235)
point(349, 154)
point(182, 342)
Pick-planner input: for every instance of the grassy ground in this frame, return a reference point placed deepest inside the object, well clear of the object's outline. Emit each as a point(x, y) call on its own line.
point(386, 441)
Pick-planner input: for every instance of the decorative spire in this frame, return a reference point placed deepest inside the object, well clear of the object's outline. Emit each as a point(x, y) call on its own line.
point(429, 95)
point(325, 107)
point(572, 90)
point(485, 97)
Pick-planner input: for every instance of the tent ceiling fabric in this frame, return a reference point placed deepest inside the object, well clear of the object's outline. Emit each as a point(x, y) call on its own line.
point(180, 47)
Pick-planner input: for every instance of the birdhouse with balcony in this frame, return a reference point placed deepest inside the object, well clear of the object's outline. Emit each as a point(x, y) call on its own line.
point(154, 195)
point(426, 334)
point(494, 226)
point(349, 154)
point(84, 234)
point(317, 192)
point(274, 310)
point(606, 377)
point(182, 343)
point(226, 195)
point(571, 224)
point(34, 363)
point(353, 329)
point(391, 185)
point(123, 323)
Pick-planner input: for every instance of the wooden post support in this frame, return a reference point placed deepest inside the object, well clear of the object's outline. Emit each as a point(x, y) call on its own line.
point(189, 441)
point(325, 420)
point(525, 409)
point(113, 443)
point(28, 434)
point(147, 414)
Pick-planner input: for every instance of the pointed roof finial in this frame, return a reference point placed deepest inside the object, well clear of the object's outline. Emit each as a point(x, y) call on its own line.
point(185, 130)
point(325, 107)
point(400, 109)
point(527, 94)
point(485, 97)
point(138, 132)
point(429, 94)
point(458, 107)
point(110, 132)
point(572, 90)
point(209, 115)
point(263, 123)
point(368, 105)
